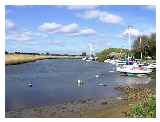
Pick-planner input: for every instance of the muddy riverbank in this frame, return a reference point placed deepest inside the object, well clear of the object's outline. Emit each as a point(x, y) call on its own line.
point(117, 107)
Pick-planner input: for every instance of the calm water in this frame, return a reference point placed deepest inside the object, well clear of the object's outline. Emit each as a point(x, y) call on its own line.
point(55, 81)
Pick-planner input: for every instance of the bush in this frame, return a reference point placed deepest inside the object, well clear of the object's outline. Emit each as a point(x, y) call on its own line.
point(144, 109)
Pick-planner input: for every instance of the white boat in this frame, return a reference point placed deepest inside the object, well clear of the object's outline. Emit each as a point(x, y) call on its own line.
point(133, 69)
point(107, 61)
point(114, 62)
point(121, 62)
point(91, 56)
point(84, 58)
point(152, 66)
point(123, 68)
point(139, 70)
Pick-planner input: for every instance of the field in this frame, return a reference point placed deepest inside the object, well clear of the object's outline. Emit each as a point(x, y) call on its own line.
point(12, 59)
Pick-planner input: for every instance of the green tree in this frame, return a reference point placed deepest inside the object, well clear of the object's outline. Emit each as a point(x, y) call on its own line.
point(103, 55)
point(147, 46)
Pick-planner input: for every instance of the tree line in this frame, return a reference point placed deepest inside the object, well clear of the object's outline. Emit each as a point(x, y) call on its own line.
point(147, 46)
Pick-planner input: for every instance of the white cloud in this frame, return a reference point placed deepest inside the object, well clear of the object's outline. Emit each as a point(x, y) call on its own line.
point(91, 14)
point(56, 42)
point(19, 37)
point(148, 32)
point(81, 7)
point(132, 31)
point(49, 27)
point(102, 16)
point(24, 36)
point(70, 29)
point(109, 44)
point(135, 33)
point(84, 32)
point(110, 18)
point(10, 25)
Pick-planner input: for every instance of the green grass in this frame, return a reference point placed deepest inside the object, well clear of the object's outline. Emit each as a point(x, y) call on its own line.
point(144, 109)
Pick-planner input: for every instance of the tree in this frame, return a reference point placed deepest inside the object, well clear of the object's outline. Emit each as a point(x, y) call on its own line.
point(106, 53)
point(147, 46)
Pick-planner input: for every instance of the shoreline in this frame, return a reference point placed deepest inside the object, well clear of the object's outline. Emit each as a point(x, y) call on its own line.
point(15, 59)
point(117, 107)
point(86, 108)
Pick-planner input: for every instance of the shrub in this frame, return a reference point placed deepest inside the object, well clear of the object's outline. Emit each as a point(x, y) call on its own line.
point(144, 109)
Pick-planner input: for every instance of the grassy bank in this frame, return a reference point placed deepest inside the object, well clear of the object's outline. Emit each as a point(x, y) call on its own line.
point(142, 102)
point(11, 59)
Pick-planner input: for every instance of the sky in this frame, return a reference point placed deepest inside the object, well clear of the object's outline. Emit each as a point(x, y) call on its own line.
point(71, 29)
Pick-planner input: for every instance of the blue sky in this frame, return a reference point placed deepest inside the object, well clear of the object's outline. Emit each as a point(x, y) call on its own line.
point(71, 29)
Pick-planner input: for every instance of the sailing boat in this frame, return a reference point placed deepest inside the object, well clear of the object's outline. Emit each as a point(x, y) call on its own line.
point(91, 54)
point(133, 68)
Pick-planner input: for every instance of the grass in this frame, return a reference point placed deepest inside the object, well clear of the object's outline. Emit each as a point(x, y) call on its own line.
point(24, 58)
point(142, 102)
point(144, 109)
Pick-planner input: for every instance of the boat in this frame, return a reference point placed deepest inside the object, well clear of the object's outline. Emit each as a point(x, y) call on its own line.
point(84, 58)
point(120, 62)
point(152, 66)
point(107, 61)
point(133, 69)
point(91, 56)
point(139, 70)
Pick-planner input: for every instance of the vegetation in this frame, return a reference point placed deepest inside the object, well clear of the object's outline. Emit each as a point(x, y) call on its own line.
point(107, 53)
point(144, 108)
point(142, 101)
point(25, 58)
point(147, 46)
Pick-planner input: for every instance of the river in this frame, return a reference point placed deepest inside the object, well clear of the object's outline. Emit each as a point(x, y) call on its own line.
point(55, 81)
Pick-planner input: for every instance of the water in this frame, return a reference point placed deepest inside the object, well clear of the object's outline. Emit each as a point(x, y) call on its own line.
point(55, 81)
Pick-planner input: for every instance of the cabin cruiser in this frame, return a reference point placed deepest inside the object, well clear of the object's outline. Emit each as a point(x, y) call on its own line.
point(152, 66)
point(134, 69)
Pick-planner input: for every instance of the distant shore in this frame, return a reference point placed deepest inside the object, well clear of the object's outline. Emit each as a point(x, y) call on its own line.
point(13, 59)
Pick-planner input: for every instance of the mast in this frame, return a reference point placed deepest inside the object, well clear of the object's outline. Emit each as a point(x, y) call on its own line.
point(91, 50)
point(129, 40)
point(141, 47)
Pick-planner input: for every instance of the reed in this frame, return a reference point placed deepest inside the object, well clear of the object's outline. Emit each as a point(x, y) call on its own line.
point(13, 59)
